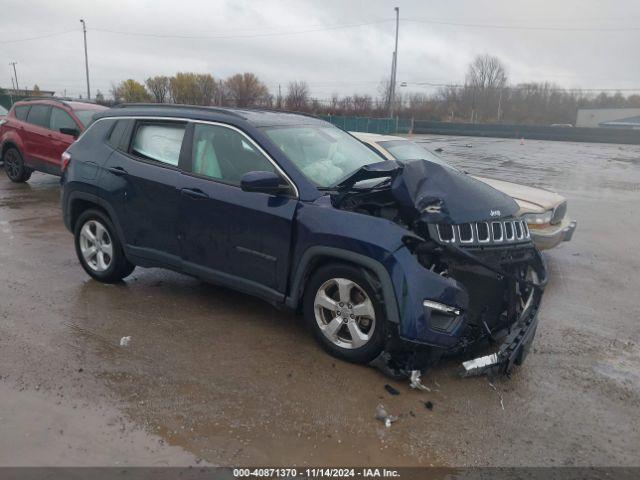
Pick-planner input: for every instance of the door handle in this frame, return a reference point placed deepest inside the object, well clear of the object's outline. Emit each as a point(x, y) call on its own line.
point(194, 193)
point(119, 171)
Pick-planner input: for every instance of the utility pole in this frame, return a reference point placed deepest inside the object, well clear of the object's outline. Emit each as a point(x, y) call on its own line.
point(13, 64)
point(394, 67)
point(86, 58)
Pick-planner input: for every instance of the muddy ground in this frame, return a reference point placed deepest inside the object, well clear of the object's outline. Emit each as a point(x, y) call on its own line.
point(214, 376)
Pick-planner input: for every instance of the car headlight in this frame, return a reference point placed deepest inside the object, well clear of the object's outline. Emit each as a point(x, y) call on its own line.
point(538, 219)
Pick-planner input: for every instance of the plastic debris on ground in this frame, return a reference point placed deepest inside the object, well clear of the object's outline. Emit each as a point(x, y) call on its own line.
point(124, 341)
point(391, 390)
point(416, 383)
point(384, 417)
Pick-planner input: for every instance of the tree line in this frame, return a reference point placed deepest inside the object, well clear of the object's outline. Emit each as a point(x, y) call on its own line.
point(486, 96)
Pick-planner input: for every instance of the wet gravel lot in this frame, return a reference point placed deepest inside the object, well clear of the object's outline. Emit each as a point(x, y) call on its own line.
point(214, 376)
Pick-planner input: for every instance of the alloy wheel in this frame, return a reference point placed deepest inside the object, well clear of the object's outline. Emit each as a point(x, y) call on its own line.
point(96, 246)
point(344, 313)
point(12, 164)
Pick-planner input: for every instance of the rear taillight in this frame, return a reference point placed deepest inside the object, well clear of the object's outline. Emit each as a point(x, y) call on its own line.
point(66, 158)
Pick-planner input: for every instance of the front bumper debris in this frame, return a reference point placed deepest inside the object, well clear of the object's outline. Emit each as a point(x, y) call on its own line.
point(512, 352)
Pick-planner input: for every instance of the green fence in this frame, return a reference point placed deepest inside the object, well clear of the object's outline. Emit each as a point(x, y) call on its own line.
point(386, 126)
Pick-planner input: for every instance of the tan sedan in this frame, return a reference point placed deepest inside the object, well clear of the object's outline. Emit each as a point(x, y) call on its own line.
point(544, 211)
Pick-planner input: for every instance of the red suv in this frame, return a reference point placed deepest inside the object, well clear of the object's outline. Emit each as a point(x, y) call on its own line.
point(35, 132)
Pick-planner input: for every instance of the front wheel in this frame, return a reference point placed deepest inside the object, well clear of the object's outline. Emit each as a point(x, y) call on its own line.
point(14, 166)
point(343, 311)
point(99, 249)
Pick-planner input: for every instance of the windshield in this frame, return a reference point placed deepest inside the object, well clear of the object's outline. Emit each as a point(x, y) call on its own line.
point(3, 111)
point(404, 150)
point(85, 116)
point(324, 154)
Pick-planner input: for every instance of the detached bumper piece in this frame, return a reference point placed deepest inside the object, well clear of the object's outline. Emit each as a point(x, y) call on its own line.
point(512, 352)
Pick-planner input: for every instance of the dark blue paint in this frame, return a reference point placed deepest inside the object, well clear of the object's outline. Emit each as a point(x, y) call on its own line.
point(252, 241)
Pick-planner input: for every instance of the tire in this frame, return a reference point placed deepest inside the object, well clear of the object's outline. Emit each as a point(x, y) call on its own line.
point(365, 318)
point(14, 166)
point(94, 232)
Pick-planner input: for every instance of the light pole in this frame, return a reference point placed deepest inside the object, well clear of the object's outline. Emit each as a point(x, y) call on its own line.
point(86, 58)
point(394, 66)
point(15, 74)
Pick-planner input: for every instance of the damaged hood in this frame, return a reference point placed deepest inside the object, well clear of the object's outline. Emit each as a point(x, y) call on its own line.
point(433, 193)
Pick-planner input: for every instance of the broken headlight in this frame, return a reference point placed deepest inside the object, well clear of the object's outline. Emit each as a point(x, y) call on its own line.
point(537, 220)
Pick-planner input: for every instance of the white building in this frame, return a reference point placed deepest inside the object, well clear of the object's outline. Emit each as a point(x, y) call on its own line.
point(593, 117)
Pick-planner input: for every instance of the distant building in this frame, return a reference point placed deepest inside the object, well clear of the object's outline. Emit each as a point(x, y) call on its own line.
point(631, 122)
point(596, 117)
point(10, 95)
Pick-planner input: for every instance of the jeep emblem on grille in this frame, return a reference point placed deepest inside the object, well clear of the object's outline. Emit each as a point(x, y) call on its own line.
point(494, 213)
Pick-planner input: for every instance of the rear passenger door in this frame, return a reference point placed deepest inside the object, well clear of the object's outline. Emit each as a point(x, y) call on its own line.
point(238, 238)
point(60, 141)
point(36, 137)
point(140, 183)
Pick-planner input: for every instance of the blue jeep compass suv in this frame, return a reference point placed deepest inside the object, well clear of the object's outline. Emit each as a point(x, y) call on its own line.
point(391, 264)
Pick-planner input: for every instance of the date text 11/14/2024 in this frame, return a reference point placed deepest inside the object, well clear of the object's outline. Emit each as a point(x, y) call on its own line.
point(315, 473)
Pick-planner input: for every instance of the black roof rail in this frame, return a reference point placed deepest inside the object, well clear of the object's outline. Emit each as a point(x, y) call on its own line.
point(179, 106)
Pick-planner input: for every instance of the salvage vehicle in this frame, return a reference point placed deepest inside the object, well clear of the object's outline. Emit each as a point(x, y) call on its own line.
point(37, 130)
point(544, 211)
point(391, 264)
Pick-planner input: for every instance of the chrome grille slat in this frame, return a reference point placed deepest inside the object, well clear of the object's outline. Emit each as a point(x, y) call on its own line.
point(483, 233)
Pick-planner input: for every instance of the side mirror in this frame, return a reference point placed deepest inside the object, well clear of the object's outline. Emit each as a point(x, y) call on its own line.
point(264, 182)
point(74, 132)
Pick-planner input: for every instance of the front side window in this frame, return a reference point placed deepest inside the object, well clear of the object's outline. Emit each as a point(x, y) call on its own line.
point(324, 154)
point(3, 111)
point(224, 154)
point(21, 112)
point(61, 119)
point(404, 150)
point(160, 142)
point(39, 115)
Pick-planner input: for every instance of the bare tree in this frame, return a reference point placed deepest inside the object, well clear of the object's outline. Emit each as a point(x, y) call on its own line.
point(297, 96)
point(486, 78)
point(246, 90)
point(158, 86)
point(206, 88)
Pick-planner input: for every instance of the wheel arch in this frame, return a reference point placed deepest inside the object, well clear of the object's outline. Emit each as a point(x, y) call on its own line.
point(316, 256)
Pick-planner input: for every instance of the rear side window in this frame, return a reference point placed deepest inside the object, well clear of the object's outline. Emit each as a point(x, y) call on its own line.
point(21, 112)
point(39, 115)
point(61, 119)
point(158, 141)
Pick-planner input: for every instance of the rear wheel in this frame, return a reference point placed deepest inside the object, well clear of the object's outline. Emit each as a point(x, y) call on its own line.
point(99, 249)
point(14, 166)
point(343, 311)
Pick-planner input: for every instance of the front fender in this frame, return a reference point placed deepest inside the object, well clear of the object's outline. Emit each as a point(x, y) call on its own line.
point(376, 244)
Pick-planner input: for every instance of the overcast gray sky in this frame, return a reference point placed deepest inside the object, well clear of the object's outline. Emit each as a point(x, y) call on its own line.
point(336, 46)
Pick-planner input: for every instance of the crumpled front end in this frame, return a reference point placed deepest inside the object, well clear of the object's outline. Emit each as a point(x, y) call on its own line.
point(468, 276)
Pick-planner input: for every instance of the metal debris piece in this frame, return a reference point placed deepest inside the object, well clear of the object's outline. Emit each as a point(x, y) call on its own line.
point(124, 341)
point(416, 383)
point(480, 365)
point(384, 417)
point(499, 394)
